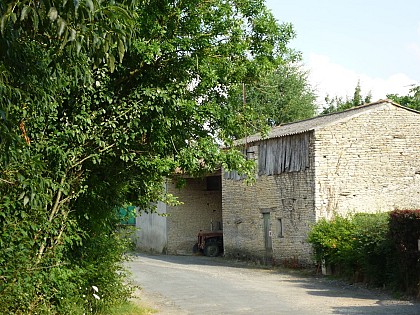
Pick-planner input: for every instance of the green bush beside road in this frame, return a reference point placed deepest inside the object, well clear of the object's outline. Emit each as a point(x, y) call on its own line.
point(380, 249)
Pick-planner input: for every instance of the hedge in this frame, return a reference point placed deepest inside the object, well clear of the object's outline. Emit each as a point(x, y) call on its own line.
point(379, 249)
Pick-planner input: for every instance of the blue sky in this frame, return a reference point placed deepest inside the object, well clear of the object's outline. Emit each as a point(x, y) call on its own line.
point(376, 42)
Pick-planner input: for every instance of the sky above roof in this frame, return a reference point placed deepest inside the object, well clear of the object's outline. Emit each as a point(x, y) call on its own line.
point(342, 42)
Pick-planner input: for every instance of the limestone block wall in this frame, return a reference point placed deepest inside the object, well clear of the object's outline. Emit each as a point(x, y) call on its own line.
point(289, 198)
point(369, 163)
point(201, 210)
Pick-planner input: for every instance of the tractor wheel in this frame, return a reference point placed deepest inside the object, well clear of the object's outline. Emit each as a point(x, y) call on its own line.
point(211, 249)
point(195, 248)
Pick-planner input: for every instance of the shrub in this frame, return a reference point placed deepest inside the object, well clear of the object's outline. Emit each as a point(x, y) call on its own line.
point(357, 244)
point(404, 233)
point(60, 282)
point(381, 248)
point(373, 250)
point(333, 241)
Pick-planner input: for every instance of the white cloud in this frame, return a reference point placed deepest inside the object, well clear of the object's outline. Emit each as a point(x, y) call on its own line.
point(334, 79)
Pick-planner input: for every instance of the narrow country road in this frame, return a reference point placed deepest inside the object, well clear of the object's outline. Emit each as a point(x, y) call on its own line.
point(203, 285)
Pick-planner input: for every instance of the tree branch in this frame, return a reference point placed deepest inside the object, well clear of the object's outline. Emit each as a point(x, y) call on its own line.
point(6, 181)
point(54, 211)
point(92, 155)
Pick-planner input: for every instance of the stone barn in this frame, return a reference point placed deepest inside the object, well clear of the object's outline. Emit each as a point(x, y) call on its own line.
point(366, 159)
point(173, 230)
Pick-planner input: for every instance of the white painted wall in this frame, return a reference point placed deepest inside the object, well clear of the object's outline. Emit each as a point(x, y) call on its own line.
point(151, 230)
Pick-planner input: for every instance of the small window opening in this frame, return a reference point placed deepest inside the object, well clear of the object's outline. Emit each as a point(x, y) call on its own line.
point(280, 227)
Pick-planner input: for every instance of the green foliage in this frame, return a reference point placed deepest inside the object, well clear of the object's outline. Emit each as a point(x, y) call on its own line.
point(354, 244)
point(373, 250)
point(333, 241)
point(99, 102)
point(412, 100)
point(281, 96)
point(337, 104)
point(404, 232)
point(380, 249)
point(131, 308)
point(99, 29)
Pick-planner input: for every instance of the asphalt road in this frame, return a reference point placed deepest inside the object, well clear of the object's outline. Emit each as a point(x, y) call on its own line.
point(201, 285)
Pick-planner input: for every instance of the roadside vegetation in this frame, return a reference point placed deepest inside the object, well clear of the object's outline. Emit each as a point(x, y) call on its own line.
point(130, 308)
point(100, 101)
point(378, 249)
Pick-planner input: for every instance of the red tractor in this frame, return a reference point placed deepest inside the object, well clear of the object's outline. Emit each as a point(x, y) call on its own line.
point(210, 243)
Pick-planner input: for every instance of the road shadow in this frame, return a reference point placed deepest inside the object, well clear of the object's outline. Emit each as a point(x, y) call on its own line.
point(201, 260)
point(319, 286)
point(384, 305)
point(379, 309)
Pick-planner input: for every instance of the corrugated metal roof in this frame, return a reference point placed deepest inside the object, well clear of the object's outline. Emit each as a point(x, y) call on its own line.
point(320, 121)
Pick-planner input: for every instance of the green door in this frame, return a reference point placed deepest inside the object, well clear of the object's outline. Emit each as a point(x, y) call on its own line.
point(128, 215)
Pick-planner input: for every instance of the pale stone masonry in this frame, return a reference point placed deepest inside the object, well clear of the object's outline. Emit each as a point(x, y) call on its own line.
point(366, 159)
point(289, 200)
point(174, 230)
point(201, 210)
point(369, 163)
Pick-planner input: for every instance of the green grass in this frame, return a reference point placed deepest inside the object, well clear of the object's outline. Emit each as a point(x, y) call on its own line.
point(132, 308)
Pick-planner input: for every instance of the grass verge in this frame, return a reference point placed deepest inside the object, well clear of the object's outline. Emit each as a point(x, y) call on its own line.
point(132, 308)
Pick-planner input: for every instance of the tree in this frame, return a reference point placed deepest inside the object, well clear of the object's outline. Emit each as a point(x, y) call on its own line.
point(99, 102)
point(337, 104)
point(282, 96)
point(412, 100)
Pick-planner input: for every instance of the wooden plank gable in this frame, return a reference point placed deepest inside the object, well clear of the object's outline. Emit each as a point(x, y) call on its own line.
point(284, 154)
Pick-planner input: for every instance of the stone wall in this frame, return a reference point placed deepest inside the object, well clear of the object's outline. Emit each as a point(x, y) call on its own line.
point(201, 210)
point(369, 163)
point(289, 200)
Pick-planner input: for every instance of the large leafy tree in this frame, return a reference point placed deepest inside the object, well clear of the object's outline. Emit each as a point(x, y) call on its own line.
point(99, 102)
point(282, 96)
